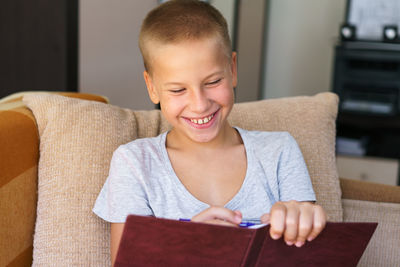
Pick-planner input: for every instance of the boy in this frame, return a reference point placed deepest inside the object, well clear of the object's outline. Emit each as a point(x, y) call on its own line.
point(203, 168)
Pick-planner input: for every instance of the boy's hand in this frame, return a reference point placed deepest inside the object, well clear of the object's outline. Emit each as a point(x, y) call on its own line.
point(219, 215)
point(295, 221)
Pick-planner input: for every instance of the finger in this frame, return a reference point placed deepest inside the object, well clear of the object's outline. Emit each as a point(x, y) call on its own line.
point(292, 223)
point(265, 218)
point(305, 223)
point(221, 222)
point(277, 220)
point(319, 222)
point(218, 213)
point(238, 213)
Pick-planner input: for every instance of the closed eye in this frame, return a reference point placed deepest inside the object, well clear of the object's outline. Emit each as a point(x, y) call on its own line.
point(177, 91)
point(214, 82)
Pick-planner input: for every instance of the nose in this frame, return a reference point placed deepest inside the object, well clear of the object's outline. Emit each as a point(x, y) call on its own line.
point(199, 101)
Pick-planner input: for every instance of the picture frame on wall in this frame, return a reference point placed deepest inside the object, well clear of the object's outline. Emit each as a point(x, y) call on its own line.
point(371, 17)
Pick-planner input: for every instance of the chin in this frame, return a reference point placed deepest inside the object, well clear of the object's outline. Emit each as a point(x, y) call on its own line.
point(203, 138)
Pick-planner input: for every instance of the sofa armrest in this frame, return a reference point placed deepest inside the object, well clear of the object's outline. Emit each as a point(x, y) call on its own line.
point(19, 153)
point(361, 190)
point(17, 97)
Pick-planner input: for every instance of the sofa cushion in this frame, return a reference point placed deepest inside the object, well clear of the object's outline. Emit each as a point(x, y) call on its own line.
point(77, 139)
point(19, 154)
point(383, 248)
point(311, 121)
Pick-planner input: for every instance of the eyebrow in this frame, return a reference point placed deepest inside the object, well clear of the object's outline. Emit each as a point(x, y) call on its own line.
point(212, 74)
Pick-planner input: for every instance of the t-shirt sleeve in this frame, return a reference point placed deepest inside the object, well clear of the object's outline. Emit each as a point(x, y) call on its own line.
point(123, 192)
point(294, 181)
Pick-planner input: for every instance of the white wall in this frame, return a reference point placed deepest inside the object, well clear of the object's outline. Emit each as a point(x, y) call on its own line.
point(227, 8)
point(109, 58)
point(249, 47)
point(300, 45)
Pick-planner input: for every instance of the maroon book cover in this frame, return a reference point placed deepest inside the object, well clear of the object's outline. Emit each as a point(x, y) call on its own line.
point(149, 241)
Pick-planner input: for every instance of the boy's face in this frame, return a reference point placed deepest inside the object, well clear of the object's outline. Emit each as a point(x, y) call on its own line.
point(193, 81)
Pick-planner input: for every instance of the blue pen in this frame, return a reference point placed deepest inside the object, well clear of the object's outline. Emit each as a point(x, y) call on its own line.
point(244, 223)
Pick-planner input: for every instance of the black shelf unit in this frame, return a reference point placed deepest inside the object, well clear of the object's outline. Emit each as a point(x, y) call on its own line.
point(367, 79)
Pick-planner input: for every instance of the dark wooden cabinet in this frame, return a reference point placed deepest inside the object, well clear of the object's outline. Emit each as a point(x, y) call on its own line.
point(38, 45)
point(367, 80)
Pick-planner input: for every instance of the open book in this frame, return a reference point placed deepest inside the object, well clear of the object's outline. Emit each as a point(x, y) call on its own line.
point(149, 241)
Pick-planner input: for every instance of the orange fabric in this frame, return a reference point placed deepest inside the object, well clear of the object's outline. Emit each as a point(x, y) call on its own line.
point(18, 200)
point(19, 142)
point(17, 97)
point(19, 154)
point(23, 259)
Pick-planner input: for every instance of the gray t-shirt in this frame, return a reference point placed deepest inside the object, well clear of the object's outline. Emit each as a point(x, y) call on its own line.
point(142, 181)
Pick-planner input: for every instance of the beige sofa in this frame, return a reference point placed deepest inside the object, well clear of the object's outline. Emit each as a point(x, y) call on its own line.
point(55, 150)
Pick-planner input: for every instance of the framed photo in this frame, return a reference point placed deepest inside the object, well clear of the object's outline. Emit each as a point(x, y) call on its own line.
point(371, 16)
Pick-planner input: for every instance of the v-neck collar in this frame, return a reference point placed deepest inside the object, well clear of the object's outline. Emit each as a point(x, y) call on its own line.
point(234, 201)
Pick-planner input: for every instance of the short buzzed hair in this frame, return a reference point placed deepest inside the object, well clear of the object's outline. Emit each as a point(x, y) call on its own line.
point(179, 20)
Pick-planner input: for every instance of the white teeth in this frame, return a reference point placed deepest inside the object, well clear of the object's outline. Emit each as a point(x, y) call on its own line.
point(203, 120)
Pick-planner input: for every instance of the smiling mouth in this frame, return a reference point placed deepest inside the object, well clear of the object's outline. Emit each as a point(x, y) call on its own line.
point(203, 120)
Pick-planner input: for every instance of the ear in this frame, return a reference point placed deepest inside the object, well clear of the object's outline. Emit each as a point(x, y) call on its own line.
point(153, 94)
point(234, 69)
